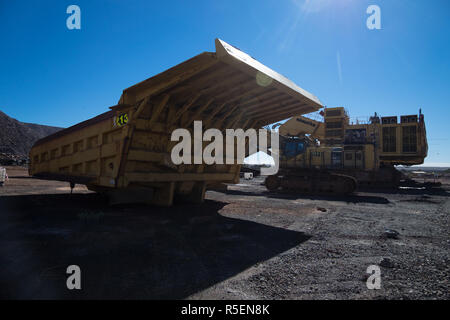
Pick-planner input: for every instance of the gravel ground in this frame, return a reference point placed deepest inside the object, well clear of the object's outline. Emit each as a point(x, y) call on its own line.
point(245, 243)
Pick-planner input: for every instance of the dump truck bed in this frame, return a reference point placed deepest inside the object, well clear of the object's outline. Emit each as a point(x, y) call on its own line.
point(126, 151)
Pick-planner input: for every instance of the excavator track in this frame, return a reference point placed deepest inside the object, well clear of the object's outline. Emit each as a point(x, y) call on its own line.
point(386, 177)
point(311, 182)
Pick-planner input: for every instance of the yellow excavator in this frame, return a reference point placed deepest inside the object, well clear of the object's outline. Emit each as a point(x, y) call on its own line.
point(335, 156)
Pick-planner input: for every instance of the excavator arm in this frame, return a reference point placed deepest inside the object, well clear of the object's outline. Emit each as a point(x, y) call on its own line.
point(299, 126)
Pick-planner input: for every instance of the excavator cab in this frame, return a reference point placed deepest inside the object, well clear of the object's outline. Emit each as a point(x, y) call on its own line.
point(292, 147)
point(336, 158)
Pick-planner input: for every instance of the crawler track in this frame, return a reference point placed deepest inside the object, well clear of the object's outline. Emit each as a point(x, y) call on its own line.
point(311, 181)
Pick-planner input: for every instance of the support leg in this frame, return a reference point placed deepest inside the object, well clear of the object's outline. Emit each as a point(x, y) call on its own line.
point(198, 193)
point(163, 196)
point(72, 186)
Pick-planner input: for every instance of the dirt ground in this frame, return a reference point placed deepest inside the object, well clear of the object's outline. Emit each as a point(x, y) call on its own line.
point(245, 243)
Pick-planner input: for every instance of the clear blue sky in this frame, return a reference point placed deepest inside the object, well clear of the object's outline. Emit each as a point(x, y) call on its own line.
point(55, 76)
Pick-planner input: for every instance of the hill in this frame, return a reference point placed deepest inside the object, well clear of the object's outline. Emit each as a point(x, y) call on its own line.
point(17, 138)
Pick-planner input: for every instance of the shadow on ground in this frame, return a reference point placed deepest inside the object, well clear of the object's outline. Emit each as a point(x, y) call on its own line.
point(125, 252)
point(355, 198)
point(418, 190)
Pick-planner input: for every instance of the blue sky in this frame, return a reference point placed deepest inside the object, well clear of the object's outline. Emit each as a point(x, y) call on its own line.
point(55, 76)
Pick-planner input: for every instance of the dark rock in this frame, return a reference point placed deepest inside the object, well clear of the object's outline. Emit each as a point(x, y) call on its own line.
point(387, 263)
point(391, 234)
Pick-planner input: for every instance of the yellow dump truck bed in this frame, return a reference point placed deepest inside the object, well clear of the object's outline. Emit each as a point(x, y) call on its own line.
point(126, 151)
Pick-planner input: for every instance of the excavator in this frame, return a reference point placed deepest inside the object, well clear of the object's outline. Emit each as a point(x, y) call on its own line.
point(335, 156)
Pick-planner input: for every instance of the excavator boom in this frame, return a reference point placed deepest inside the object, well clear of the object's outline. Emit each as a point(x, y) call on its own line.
point(300, 126)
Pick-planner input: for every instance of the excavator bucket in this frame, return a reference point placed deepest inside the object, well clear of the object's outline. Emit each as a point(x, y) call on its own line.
point(125, 152)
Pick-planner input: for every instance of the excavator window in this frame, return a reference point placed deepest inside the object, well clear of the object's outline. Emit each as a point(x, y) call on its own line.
point(334, 124)
point(44, 156)
point(294, 148)
point(389, 139)
point(409, 139)
point(333, 113)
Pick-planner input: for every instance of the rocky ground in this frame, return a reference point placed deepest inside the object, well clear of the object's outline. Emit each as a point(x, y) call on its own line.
point(245, 243)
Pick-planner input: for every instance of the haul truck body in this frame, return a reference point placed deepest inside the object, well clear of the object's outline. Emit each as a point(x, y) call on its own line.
point(125, 152)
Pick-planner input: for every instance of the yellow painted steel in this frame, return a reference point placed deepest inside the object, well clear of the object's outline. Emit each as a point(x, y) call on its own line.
point(125, 152)
point(367, 151)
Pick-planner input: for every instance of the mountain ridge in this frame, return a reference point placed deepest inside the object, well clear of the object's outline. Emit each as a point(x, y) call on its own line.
point(17, 138)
